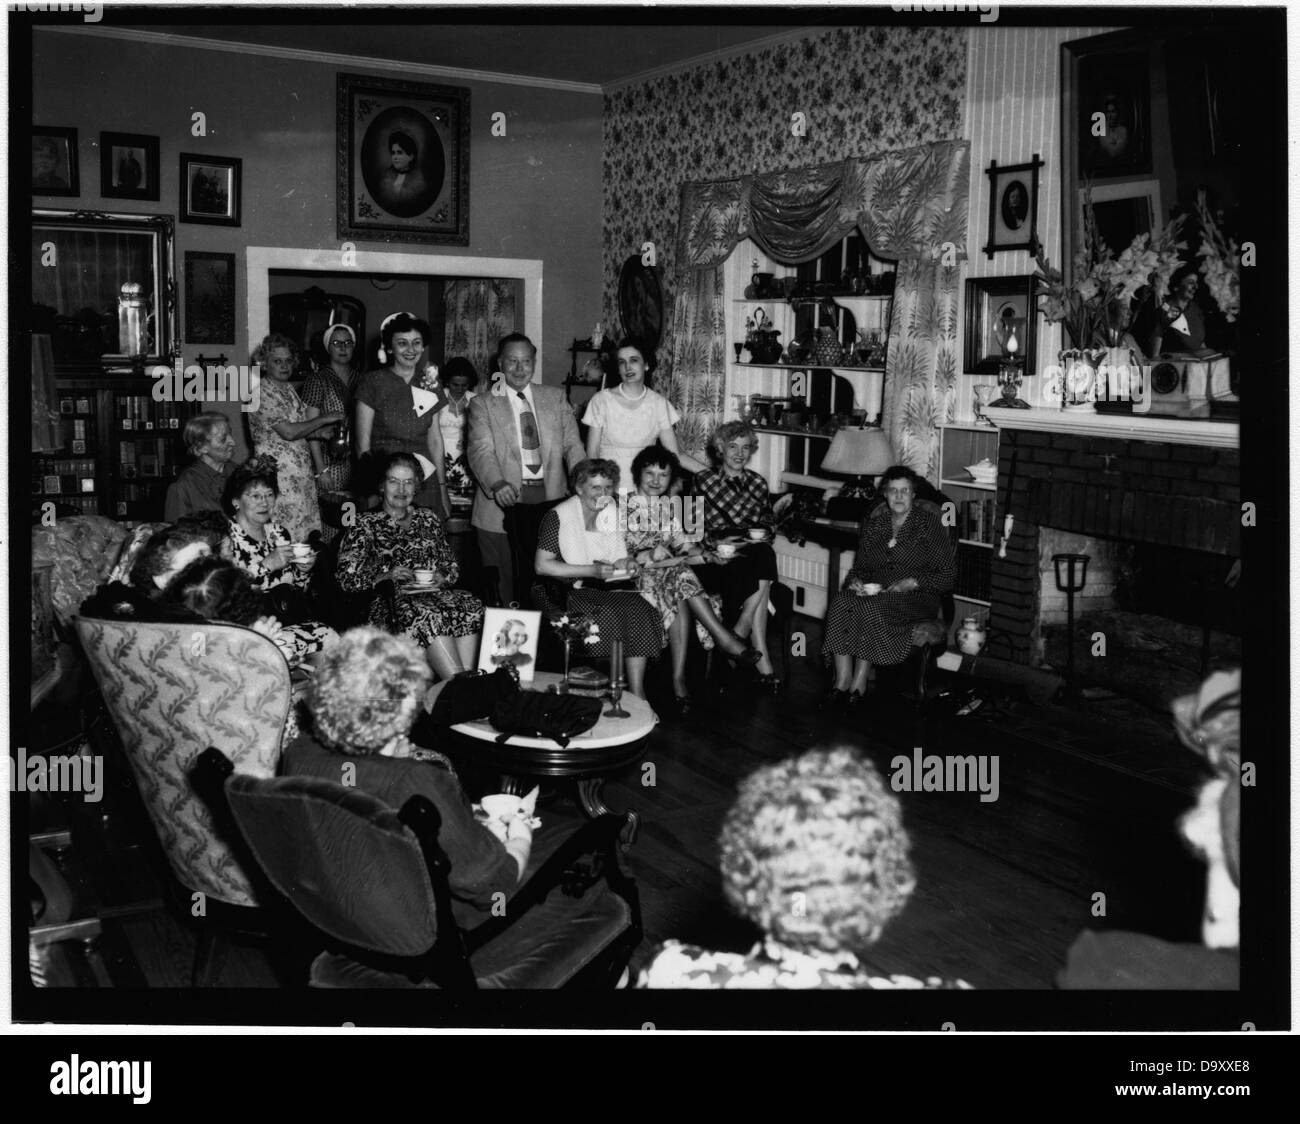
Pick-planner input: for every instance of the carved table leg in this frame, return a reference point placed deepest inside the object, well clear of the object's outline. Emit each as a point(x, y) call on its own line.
point(593, 803)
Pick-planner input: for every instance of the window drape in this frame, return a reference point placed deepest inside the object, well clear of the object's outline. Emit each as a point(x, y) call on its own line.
point(911, 206)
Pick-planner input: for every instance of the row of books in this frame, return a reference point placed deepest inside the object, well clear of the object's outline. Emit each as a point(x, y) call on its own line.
point(141, 412)
point(974, 572)
point(63, 476)
point(976, 520)
point(86, 505)
point(148, 456)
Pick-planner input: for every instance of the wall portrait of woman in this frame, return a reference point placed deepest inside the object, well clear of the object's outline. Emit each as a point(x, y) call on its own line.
point(403, 161)
point(1015, 204)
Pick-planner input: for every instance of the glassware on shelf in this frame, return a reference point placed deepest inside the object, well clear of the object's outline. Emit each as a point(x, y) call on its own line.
point(984, 392)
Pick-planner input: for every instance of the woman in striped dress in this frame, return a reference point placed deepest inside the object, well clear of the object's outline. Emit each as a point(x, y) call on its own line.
point(903, 566)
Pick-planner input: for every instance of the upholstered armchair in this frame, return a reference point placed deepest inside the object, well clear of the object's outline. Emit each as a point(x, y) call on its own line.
point(171, 691)
point(373, 881)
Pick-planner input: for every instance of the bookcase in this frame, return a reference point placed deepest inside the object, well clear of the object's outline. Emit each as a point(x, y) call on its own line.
point(119, 449)
point(978, 527)
point(796, 404)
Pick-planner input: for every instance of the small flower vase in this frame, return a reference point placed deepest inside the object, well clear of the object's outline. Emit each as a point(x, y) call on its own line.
point(1119, 380)
point(562, 688)
point(971, 636)
point(1079, 380)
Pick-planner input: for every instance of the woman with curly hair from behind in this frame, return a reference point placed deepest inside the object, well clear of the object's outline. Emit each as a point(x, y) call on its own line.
point(815, 854)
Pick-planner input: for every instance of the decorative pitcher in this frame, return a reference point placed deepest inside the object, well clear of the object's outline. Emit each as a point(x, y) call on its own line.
point(971, 636)
point(1079, 380)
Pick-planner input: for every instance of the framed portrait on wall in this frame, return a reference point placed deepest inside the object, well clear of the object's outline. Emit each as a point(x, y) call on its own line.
point(1122, 211)
point(1113, 114)
point(209, 297)
point(403, 161)
point(54, 162)
point(128, 166)
point(210, 189)
point(990, 300)
point(1013, 206)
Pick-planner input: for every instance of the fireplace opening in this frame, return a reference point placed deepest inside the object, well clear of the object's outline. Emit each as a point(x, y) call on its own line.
point(1151, 621)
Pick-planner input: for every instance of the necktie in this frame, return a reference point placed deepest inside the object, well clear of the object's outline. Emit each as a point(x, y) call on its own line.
point(530, 442)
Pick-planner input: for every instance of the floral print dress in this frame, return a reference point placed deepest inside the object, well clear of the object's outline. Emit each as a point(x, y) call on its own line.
point(297, 509)
point(296, 641)
point(376, 545)
point(651, 523)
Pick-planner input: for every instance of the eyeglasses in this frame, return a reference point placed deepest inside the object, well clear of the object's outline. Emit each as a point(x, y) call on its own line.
point(342, 343)
point(255, 496)
point(400, 482)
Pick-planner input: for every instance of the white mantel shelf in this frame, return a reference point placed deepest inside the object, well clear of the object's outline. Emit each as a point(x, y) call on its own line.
point(1124, 427)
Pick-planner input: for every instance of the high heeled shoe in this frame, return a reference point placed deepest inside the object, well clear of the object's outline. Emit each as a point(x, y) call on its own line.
point(683, 704)
point(833, 699)
point(771, 684)
point(747, 657)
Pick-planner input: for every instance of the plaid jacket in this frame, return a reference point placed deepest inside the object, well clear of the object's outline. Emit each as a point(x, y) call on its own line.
point(733, 502)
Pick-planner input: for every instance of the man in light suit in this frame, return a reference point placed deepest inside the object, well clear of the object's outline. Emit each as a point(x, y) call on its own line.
point(520, 445)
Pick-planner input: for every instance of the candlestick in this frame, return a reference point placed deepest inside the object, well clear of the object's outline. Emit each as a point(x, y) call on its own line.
point(616, 681)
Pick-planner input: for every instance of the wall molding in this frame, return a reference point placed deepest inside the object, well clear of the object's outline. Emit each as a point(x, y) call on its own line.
point(343, 61)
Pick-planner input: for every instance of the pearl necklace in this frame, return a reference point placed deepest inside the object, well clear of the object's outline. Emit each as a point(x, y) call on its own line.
point(644, 391)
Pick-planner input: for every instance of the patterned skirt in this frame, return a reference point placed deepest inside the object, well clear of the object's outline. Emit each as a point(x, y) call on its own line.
point(298, 641)
point(625, 616)
point(876, 629)
point(447, 612)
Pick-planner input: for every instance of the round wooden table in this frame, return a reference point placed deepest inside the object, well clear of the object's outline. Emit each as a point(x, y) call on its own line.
point(609, 746)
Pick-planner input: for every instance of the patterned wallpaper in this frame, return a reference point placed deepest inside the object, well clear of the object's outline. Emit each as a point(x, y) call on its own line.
point(864, 90)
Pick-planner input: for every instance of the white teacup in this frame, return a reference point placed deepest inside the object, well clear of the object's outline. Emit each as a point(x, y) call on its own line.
point(872, 588)
point(757, 534)
point(726, 550)
point(423, 577)
point(301, 551)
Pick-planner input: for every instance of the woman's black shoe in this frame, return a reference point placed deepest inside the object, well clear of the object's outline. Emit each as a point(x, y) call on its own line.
point(833, 699)
point(683, 705)
point(772, 684)
point(853, 702)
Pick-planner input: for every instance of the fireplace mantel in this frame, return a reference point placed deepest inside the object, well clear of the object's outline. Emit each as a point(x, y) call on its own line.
point(1124, 427)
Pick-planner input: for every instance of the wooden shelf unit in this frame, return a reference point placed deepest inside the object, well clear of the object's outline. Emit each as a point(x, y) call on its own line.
point(979, 528)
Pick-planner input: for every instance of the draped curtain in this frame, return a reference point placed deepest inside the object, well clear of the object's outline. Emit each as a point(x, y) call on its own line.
point(911, 206)
point(479, 312)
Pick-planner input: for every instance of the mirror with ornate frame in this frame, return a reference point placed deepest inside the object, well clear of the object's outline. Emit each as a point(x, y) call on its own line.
point(80, 261)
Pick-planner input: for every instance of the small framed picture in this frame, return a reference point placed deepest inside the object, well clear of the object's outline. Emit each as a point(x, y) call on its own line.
point(1122, 211)
point(78, 448)
point(990, 300)
point(1013, 206)
point(1114, 113)
point(209, 297)
point(54, 162)
point(128, 166)
point(510, 636)
point(211, 187)
point(53, 485)
point(67, 406)
point(148, 464)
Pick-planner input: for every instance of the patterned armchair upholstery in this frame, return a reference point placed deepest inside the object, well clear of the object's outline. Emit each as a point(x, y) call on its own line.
point(173, 690)
point(82, 549)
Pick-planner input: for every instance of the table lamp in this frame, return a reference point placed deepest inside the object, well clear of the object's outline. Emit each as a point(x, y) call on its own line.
point(1009, 331)
point(859, 453)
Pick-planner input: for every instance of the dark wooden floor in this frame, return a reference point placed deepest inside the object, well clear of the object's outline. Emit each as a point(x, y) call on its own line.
point(1087, 805)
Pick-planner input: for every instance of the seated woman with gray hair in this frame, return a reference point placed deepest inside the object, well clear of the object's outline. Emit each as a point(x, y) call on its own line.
point(580, 542)
point(368, 690)
point(210, 442)
point(814, 852)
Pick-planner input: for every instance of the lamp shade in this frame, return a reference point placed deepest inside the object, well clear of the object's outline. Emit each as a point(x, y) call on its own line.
point(858, 452)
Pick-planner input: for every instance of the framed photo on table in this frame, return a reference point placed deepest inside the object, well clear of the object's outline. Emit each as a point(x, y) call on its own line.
point(510, 636)
point(403, 161)
point(1013, 206)
point(211, 187)
point(128, 166)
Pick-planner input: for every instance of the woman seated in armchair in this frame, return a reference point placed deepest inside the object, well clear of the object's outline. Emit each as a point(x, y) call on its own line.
point(390, 544)
point(815, 854)
point(580, 542)
point(904, 564)
point(735, 502)
point(215, 589)
point(366, 693)
point(658, 542)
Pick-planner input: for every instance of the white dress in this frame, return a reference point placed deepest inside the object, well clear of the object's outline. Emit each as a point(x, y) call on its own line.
point(628, 426)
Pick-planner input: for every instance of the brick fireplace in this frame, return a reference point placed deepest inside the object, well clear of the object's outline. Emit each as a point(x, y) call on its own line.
point(1163, 482)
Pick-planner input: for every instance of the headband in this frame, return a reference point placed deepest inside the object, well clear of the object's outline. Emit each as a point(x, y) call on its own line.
point(325, 339)
point(383, 353)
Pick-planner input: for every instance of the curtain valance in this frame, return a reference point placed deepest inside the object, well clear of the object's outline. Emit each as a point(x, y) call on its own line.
point(907, 204)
